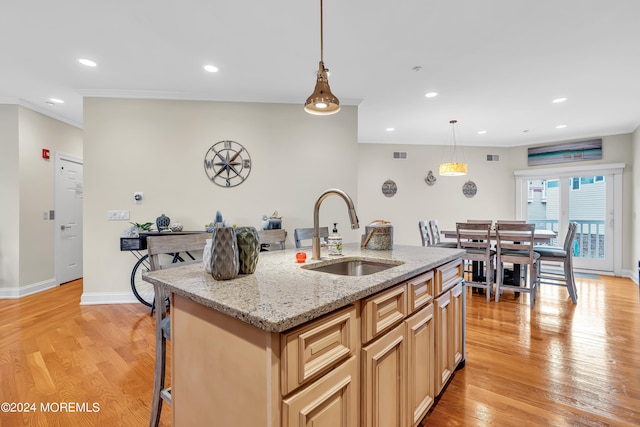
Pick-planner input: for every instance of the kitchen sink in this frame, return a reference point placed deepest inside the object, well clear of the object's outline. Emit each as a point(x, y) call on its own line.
point(353, 267)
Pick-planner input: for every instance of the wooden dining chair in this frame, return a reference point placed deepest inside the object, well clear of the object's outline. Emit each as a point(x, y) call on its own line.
point(434, 230)
point(563, 255)
point(302, 234)
point(515, 245)
point(157, 247)
point(475, 239)
point(425, 236)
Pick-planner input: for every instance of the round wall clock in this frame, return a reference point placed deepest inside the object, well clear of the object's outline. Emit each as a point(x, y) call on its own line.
point(389, 188)
point(227, 163)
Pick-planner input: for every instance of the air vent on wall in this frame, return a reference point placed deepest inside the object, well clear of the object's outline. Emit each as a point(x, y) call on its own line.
point(493, 157)
point(399, 154)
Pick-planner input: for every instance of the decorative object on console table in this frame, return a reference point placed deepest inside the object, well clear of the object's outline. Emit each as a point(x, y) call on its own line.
point(162, 222)
point(224, 253)
point(248, 249)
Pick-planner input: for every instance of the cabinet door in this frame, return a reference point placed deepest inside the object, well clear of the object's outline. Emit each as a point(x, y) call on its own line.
point(420, 364)
point(331, 401)
point(457, 324)
point(384, 380)
point(444, 326)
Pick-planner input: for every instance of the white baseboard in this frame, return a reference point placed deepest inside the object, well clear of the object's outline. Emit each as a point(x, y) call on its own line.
point(94, 298)
point(23, 291)
point(631, 275)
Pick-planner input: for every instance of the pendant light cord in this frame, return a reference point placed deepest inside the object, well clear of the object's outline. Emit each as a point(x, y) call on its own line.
point(321, 36)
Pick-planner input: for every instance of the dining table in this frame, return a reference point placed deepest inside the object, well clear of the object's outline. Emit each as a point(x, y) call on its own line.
point(541, 235)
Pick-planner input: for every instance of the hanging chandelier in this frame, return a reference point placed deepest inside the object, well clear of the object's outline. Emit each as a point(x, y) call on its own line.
point(453, 167)
point(322, 101)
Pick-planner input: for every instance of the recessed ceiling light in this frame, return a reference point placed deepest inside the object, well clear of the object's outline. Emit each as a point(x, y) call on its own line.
point(561, 126)
point(211, 68)
point(482, 132)
point(56, 100)
point(87, 62)
point(390, 129)
point(559, 100)
point(431, 94)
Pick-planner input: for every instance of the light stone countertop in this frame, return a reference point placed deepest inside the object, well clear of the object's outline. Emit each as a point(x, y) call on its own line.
point(281, 294)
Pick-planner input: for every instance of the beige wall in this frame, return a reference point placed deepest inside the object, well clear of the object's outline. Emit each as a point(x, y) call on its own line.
point(415, 200)
point(28, 186)
point(10, 196)
point(158, 147)
point(635, 200)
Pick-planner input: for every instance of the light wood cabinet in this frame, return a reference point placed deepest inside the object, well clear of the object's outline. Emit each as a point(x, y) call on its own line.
point(449, 325)
point(331, 401)
point(444, 325)
point(316, 347)
point(380, 361)
point(384, 383)
point(420, 364)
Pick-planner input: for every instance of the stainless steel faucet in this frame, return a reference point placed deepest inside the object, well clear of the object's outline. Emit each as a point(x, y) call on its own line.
point(352, 216)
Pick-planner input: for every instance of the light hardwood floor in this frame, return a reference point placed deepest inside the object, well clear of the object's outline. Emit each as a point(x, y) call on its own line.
point(555, 365)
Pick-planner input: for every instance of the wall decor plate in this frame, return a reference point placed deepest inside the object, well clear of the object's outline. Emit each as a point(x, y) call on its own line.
point(430, 179)
point(469, 189)
point(389, 188)
point(227, 163)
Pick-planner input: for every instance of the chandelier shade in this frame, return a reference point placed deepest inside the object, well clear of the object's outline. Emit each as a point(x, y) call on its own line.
point(453, 167)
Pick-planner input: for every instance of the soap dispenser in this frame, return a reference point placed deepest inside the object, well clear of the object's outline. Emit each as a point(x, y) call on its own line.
point(334, 241)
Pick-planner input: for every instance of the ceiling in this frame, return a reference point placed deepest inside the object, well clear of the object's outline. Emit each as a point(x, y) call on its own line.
point(495, 64)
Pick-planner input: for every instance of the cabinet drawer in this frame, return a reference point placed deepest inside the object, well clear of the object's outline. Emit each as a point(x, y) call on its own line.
point(420, 291)
point(331, 401)
point(316, 347)
point(382, 311)
point(448, 275)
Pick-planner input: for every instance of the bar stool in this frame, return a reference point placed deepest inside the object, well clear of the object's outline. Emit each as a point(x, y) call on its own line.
point(475, 238)
point(157, 245)
point(434, 229)
point(562, 255)
point(515, 243)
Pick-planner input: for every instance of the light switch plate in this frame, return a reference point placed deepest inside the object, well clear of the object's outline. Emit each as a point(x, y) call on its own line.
point(117, 215)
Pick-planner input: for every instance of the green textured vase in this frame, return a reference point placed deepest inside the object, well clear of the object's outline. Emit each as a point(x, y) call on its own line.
point(225, 263)
point(248, 248)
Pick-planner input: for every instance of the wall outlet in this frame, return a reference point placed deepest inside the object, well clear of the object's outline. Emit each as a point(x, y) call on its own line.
point(114, 215)
point(45, 214)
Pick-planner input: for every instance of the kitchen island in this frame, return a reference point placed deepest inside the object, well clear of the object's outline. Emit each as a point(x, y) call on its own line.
point(289, 346)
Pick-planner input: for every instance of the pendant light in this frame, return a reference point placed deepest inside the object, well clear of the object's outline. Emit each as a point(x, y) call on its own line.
point(322, 101)
point(453, 167)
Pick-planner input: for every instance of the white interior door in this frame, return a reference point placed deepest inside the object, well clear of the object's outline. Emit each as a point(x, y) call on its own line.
point(68, 218)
